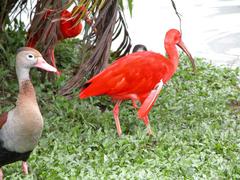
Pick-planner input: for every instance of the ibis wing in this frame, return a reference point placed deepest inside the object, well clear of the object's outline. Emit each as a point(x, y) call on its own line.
point(136, 73)
point(3, 119)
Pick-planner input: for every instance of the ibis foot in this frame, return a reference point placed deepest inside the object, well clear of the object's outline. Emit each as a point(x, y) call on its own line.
point(149, 131)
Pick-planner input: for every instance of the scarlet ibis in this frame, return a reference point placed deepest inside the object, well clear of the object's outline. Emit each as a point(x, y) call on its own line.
point(21, 128)
point(139, 77)
point(69, 27)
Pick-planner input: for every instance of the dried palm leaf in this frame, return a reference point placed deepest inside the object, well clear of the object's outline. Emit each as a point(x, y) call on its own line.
point(6, 7)
point(44, 30)
point(106, 19)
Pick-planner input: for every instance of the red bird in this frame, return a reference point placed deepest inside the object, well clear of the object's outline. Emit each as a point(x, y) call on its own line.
point(138, 76)
point(69, 23)
point(69, 26)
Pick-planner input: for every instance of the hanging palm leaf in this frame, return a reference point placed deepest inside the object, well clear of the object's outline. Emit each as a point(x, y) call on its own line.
point(44, 30)
point(108, 17)
point(52, 23)
point(6, 7)
point(9, 10)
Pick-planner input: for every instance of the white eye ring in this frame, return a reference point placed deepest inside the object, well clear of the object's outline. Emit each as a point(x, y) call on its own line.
point(30, 57)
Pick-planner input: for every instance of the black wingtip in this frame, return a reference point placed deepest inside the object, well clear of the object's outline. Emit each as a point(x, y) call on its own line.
point(84, 86)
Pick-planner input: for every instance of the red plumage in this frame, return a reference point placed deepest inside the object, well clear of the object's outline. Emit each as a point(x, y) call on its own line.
point(138, 76)
point(136, 73)
point(69, 26)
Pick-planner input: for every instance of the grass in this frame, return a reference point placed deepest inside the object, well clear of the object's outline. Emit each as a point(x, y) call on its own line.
point(195, 122)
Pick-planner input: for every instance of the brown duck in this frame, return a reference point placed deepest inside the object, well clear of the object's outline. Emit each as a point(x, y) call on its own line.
point(21, 128)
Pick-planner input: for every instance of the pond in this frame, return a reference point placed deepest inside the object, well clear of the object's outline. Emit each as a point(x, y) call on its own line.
point(211, 29)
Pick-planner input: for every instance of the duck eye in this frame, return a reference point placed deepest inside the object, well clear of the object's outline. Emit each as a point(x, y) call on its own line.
point(30, 57)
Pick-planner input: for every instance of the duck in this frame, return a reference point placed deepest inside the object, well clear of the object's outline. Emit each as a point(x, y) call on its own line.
point(21, 127)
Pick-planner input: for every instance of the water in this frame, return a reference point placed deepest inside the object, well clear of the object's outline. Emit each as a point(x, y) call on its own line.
point(211, 29)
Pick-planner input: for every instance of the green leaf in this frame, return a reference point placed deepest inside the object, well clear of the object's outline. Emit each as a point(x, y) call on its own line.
point(130, 6)
point(120, 2)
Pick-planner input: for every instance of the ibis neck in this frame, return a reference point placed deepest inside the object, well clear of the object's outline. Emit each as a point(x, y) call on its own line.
point(172, 53)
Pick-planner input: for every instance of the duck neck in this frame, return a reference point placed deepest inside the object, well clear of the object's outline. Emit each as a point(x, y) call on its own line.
point(22, 74)
point(173, 55)
point(26, 89)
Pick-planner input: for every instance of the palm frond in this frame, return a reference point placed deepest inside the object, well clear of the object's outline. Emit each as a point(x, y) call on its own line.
point(6, 7)
point(106, 19)
point(44, 31)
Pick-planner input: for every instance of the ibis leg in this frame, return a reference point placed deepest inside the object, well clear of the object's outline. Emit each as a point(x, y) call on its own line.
point(24, 168)
point(150, 100)
point(116, 117)
point(134, 103)
point(51, 51)
point(146, 122)
point(134, 99)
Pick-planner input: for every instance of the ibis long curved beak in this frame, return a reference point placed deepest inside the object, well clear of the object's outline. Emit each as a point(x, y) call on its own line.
point(183, 47)
point(42, 64)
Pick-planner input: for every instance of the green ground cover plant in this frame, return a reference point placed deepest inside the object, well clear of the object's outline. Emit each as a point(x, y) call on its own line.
point(196, 124)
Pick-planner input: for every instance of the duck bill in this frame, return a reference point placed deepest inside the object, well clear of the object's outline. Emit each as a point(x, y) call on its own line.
point(183, 47)
point(42, 64)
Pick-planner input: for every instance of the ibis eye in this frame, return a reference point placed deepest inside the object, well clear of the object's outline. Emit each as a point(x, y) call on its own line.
point(30, 57)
